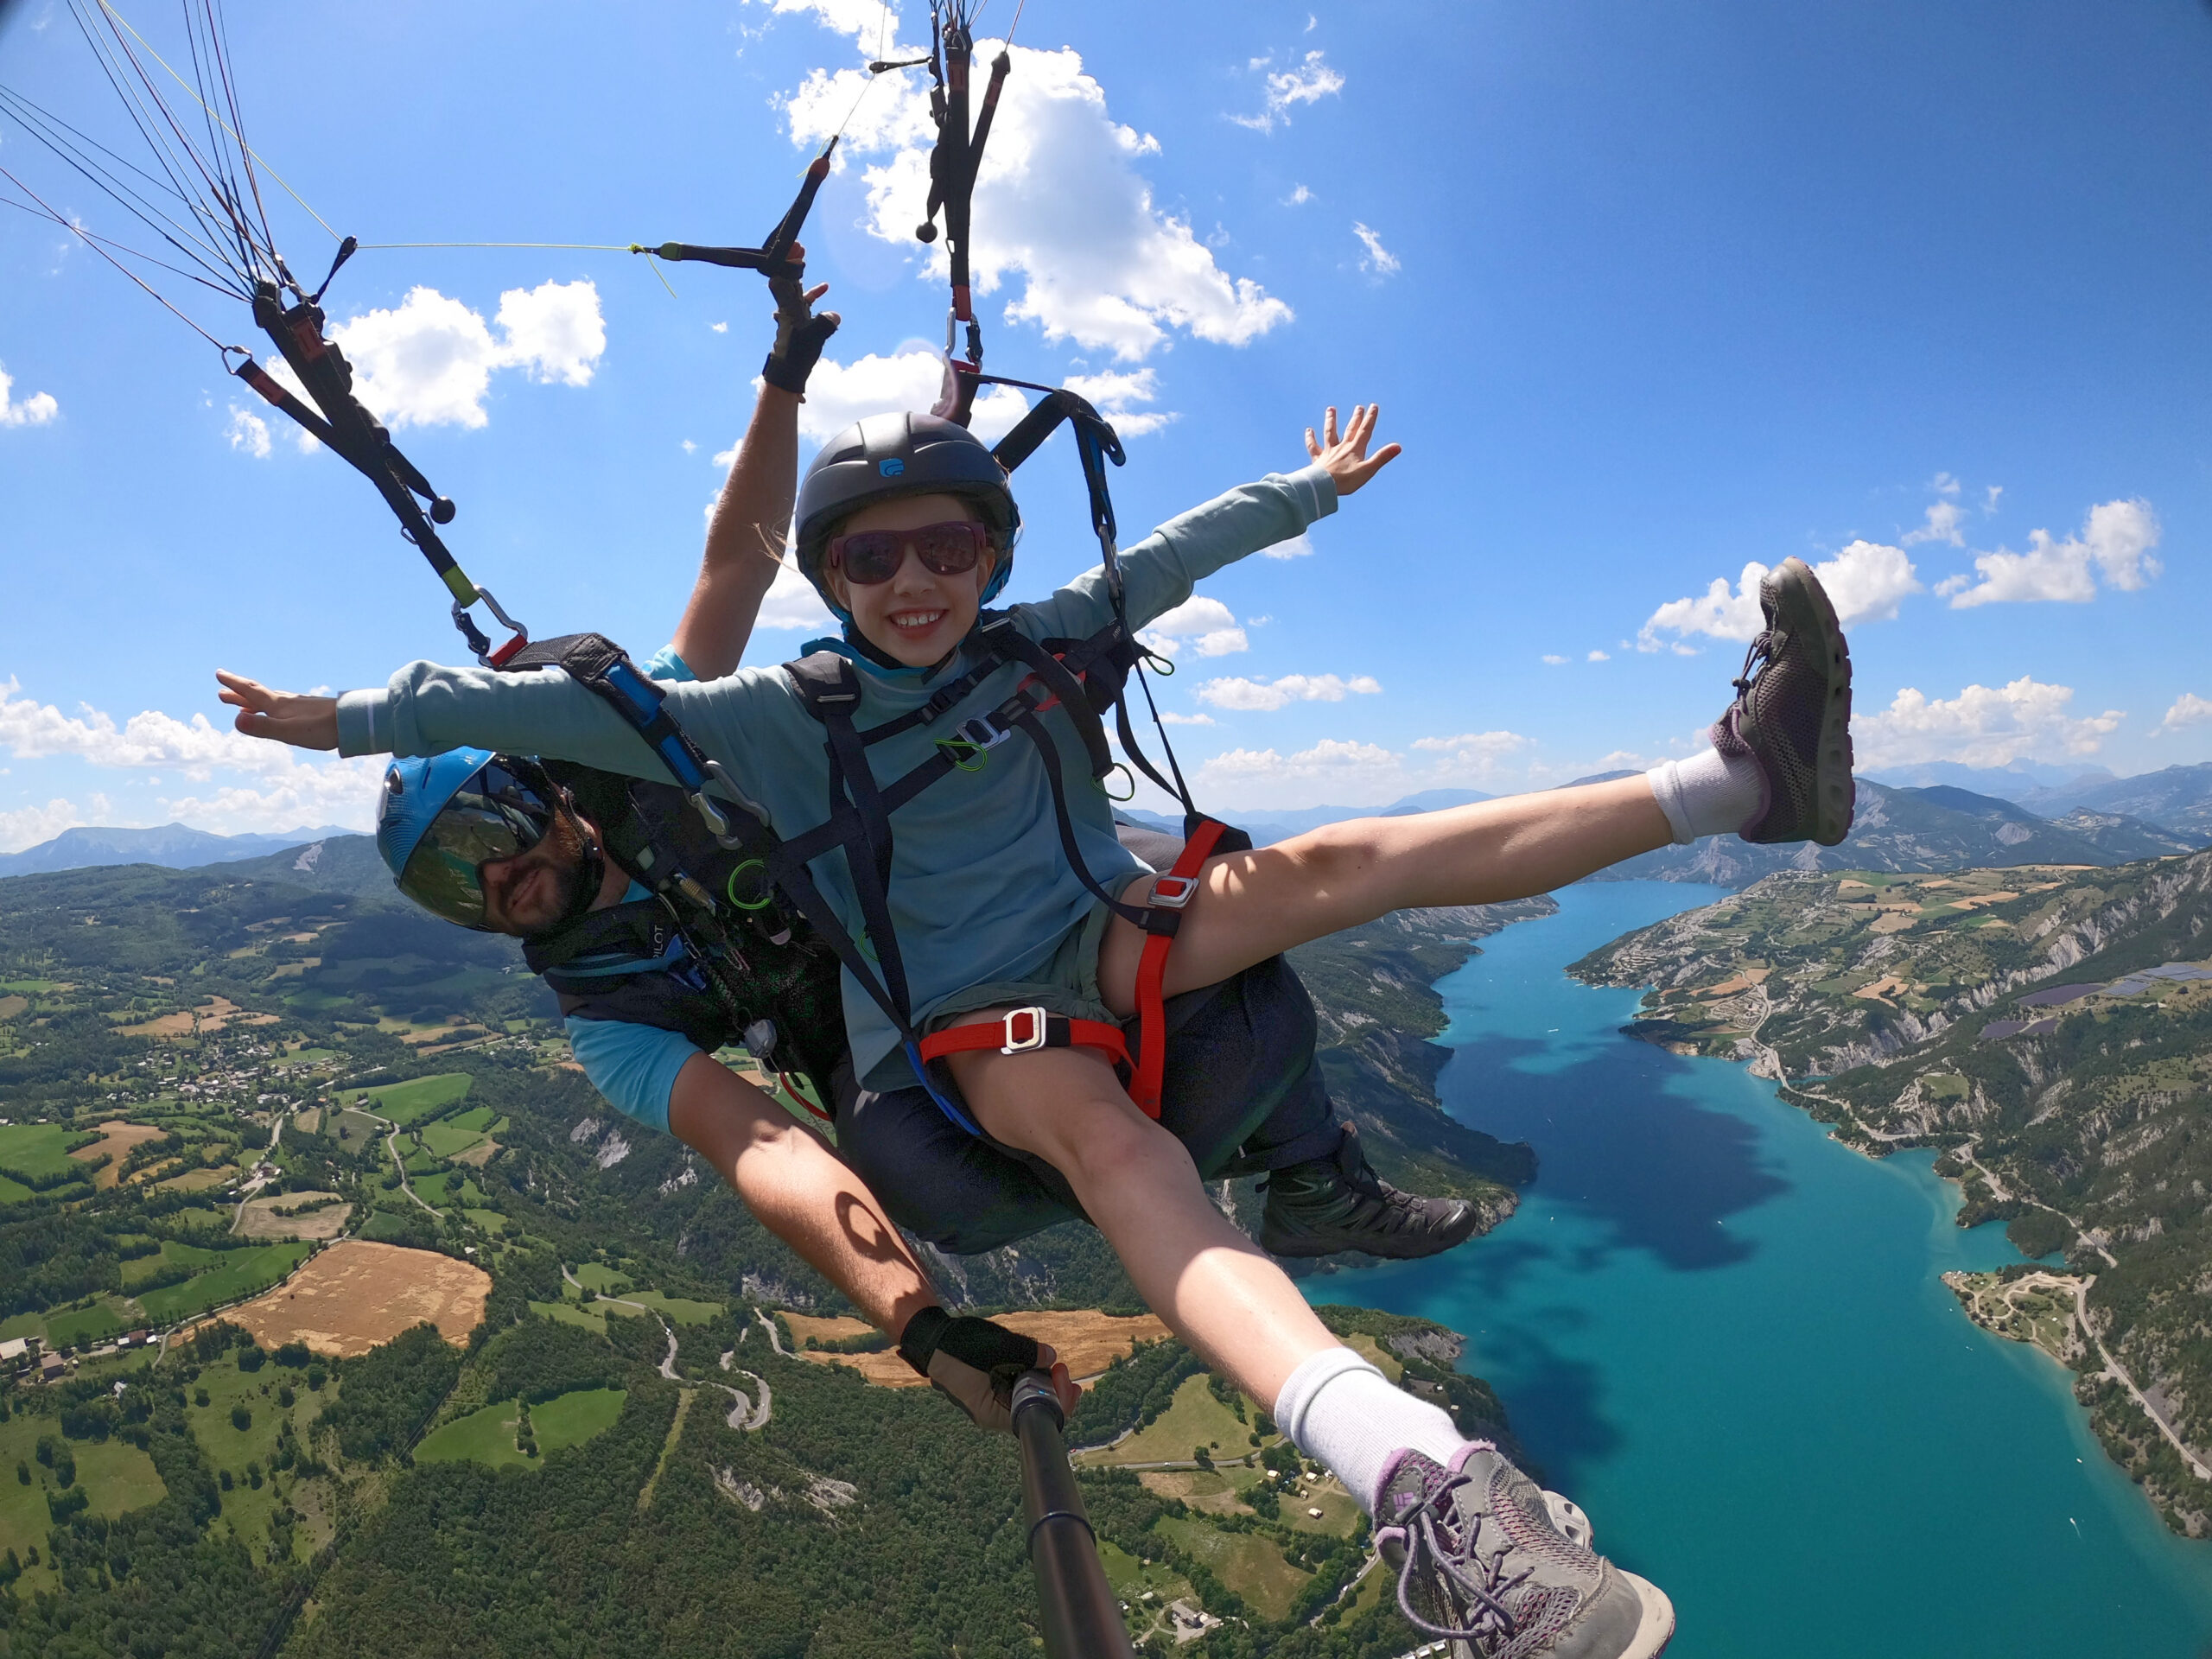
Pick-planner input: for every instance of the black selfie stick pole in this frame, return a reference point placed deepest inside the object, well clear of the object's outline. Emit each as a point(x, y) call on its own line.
point(1081, 1618)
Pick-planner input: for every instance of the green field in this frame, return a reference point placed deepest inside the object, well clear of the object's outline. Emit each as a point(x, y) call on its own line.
point(1248, 1563)
point(1193, 1417)
point(388, 1227)
point(483, 1119)
point(490, 1220)
point(83, 1325)
point(416, 1098)
point(591, 1316)
point(38, 1152)
point(116, 1476)
point(243, 1273)
point(247, 1511)
point(448, 1138)
point(14, 1192)
point(172, 1254)
point(676, 1309)
point(597, 1275)
point(488, 1436)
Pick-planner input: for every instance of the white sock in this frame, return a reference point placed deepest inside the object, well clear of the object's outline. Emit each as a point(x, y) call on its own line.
point(1709, 794)
point(1342, 1412)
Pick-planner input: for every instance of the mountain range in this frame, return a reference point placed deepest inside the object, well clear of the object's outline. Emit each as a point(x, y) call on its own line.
point(175, 846)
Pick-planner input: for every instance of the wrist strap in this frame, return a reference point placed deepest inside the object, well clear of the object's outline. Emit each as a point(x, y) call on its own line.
point(918, 1342)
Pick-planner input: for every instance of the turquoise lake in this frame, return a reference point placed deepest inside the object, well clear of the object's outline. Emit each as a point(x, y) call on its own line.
point(1724, 1335)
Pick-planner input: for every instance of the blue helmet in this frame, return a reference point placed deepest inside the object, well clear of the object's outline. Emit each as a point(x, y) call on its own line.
point(441, 819)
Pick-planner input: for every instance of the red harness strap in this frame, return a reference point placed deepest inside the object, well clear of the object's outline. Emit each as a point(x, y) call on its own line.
point(1171, 894)
point(1025, 1029)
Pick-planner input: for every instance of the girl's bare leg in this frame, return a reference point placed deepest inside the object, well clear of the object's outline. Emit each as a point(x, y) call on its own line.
point(1216, 1289)
point(1253, 906)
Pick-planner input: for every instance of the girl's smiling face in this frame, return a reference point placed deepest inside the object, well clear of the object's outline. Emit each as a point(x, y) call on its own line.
point(918, 616)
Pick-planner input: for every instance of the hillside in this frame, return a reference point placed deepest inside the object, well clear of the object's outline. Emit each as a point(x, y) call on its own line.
point(175, 846)
point(1932, 830)
point(2047, 1030)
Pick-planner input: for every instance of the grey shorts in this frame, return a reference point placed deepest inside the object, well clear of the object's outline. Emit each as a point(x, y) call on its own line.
point(1067, 983)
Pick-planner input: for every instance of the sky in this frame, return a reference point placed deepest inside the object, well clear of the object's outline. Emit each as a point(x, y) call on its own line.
point(1654, 296)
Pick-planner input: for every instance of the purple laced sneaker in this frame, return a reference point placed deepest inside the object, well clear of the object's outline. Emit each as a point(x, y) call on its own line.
point(1792, 713)
point(1482, 1564)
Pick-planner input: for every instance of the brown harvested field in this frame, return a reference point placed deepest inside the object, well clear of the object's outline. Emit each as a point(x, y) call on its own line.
point(1086, 1339)
point(359, 1294)
point(211, 1016)
point(477, 1155)
point(12, 1006)
point(116, 1141)
point(310, 1121)
point(257, 1218)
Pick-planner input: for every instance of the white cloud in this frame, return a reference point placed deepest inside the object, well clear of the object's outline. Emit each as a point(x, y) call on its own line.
point(1866, 582)
point(1470, 757)
point(1060, 204)
point(34, 411)
point(1989, 498)
point(2189, 709)
point(1297, 547)
point(1599, 657)
point(1265, 697)
point(249, 432)
point(1339, 767)
point(1944, 518)
point(430, 361)
point(1298, 197)
point(866, 20)
point(1112, 395)
point(1554, 661)
point(793, 603)
point(1307, 82)
point(294, 788)
point(719, 327)
point(27, 826)
point(1983, 726)
point(837, 394)
point(2115, 544)
point(1207, 622)
point(1377, 261)
point(1170, 718)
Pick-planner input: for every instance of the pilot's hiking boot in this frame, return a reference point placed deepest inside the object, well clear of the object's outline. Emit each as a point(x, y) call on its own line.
point(1792, 713)
point(1483, 1564)
point(1339, 1203)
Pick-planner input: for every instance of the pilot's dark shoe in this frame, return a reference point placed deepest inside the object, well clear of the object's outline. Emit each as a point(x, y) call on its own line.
point(1339, 1203)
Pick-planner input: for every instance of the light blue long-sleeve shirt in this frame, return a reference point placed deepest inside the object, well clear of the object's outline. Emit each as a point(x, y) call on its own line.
point(980, 890)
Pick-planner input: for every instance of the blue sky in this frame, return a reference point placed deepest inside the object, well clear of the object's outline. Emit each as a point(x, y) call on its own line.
point(1650, 294)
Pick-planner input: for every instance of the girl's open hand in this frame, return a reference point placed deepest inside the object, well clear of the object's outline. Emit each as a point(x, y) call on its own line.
point(305, 722)
point(1346, 458)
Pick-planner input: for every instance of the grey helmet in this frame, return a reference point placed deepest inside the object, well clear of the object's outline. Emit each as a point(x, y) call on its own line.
point(887, 456)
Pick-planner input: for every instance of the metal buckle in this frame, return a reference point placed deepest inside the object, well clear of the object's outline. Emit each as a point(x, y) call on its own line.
point(1038, 1031)
point(983, 731)
point(1173, 892)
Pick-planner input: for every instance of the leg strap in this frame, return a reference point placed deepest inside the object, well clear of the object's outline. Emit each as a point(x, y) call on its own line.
point(1024, 1029)
point(1171, 893)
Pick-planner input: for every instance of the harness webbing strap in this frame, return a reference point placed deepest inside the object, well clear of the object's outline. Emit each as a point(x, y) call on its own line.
point(1025, 1029)
point(1171, 894)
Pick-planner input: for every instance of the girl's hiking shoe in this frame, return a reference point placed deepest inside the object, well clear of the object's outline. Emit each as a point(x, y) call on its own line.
point(1792, 713)
point(1339, 1203)
point(1482, 1564)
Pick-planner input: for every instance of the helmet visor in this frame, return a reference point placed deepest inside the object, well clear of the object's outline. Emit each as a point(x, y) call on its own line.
point(500, 811)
